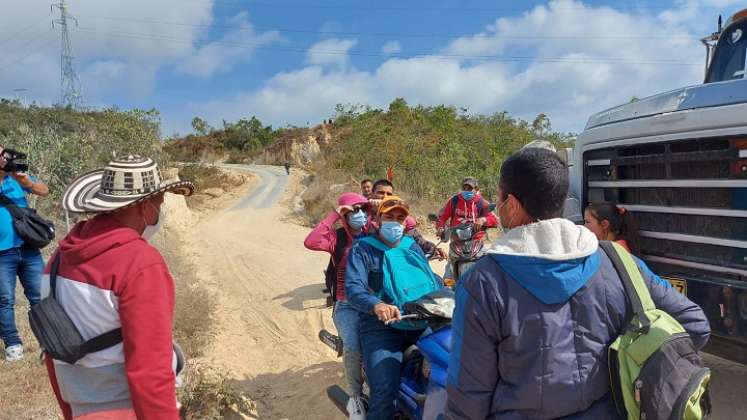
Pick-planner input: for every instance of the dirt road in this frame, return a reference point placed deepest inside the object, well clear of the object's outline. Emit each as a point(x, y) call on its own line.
point(271, 307)
point(269, 291)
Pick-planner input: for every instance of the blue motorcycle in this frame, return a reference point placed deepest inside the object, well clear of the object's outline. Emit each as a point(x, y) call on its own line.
point(422, 388)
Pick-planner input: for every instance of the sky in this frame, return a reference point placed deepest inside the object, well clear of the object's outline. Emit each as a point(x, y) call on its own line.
point(289, 62)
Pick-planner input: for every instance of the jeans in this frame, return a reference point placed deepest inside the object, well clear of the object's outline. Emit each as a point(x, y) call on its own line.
point(346, 319)
point(382, 354)
point(27, 265)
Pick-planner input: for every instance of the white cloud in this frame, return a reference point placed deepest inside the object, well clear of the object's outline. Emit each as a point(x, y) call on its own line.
point(330, 52)
point(391, 47)
point(566, 59)
point(235, 46)
point(118, 45)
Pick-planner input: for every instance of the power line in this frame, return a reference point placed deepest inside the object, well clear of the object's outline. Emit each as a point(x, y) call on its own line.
point(384, 34)
point(304, 50)
point(342, 7)
point(15, 35)
point(31, 51)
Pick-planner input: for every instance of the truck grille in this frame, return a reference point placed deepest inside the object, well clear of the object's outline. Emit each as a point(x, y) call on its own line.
point(688, 196)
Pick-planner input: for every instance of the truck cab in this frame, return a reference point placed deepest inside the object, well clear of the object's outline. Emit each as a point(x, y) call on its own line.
point(678, 162)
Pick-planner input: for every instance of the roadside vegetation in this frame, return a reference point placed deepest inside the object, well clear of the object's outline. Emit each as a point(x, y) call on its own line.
point(430, 149)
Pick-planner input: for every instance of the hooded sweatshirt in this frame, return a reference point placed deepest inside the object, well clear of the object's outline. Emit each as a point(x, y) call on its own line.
point(533, 323)
point(110, 277)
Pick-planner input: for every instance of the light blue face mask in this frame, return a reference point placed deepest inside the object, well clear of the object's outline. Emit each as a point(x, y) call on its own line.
point(468, 195)
point(391, 231)
point(358, 219)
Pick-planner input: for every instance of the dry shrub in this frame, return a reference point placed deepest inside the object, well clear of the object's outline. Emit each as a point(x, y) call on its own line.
point(209, 395)
point(208, 176)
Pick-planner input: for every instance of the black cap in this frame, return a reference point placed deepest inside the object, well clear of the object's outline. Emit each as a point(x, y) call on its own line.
point(472, 182)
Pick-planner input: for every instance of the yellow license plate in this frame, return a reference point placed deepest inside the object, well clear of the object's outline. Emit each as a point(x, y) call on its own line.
point(679, 284)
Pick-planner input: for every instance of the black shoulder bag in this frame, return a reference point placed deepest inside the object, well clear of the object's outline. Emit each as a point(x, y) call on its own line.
point(35, 231)
point(56, 332)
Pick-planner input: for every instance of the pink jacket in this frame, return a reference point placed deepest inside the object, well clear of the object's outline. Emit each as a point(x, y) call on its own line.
point(324, 238)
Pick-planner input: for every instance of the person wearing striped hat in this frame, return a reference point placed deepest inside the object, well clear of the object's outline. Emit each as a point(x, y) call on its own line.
point(108, 277)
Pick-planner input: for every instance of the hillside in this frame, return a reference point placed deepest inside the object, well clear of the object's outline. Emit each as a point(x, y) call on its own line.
point(62, 143)
point(429, 149)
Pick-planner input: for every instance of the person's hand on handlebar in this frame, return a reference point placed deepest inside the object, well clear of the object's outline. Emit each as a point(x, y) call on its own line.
point(386, 313)
point(479, 223)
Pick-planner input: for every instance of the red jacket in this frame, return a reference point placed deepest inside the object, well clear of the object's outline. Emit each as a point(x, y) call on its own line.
point(466, 211)
point(110, 277)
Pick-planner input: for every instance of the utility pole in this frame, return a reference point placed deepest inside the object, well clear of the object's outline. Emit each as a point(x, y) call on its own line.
point(70, 94)
point(20, 95)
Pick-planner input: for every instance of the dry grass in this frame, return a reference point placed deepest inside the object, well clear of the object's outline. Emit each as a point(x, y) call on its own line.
point(25, 392)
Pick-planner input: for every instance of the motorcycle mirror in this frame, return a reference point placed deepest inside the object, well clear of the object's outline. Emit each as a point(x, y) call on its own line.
point(432, 217)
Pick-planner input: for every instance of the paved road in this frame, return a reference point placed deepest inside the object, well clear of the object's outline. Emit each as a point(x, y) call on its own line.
point(273, 181)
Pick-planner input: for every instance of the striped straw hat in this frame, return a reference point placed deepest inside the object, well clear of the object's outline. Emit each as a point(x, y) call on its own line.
point(124, 182)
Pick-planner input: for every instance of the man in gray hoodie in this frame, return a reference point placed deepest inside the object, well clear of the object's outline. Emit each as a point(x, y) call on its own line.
point(535, 317)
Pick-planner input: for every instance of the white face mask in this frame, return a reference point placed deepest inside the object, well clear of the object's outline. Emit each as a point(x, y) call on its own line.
point(501, 227)
point(151, 230)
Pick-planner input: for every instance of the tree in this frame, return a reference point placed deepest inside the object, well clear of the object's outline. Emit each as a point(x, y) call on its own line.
point(541, 125)
point(201, 126)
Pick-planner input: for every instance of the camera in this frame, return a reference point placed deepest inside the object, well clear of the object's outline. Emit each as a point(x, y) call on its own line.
point(14, 161)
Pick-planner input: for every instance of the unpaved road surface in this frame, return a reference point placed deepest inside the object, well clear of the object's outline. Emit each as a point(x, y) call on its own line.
point(271, 307)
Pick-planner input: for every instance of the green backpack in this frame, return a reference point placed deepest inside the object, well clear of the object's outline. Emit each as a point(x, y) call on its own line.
point(407, 277)
point(655, 370)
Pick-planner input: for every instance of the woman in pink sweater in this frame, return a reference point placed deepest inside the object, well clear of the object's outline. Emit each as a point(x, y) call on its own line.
point(352, 214)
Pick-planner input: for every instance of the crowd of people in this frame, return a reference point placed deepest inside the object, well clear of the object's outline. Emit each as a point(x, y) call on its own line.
point(533, 322)
point(534, 317)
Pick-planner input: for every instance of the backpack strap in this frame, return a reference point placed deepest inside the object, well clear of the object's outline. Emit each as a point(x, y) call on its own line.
point(103, 341)
point(53, 275)
point(11, 206)
point(632, 281)
point(454, 203)
point(98, 343)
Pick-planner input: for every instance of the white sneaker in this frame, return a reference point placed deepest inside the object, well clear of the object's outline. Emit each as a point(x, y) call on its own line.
point(356, 409)
point(14, 353)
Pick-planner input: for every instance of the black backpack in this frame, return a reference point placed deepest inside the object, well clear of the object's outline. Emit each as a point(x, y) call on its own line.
point(330, 274)
point(55, 331)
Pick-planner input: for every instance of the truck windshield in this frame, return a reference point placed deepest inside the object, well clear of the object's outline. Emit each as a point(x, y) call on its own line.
point(730, 57)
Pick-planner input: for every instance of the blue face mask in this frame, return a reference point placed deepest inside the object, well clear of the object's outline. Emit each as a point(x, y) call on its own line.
point(391, 231)
point(358, 219)
point(468, 195)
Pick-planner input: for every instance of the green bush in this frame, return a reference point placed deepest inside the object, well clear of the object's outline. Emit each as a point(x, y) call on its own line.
point(431, 149)
point(62, 143)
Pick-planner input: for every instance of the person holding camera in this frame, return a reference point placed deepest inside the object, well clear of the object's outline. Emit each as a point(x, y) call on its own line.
point(17, 258)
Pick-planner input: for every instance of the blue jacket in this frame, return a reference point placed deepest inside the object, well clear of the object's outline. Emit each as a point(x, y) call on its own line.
point(364, 276)
point(533, 324)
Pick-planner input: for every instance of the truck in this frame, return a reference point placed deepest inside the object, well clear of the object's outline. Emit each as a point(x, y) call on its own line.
point(678, 162)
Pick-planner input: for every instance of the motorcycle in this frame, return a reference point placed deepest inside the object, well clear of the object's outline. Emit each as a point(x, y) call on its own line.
point(422, 389)
point(463, 245)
